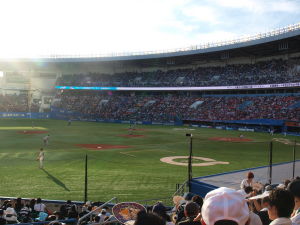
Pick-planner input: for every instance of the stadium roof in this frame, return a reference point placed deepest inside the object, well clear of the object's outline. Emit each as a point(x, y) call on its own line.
point(263, 44)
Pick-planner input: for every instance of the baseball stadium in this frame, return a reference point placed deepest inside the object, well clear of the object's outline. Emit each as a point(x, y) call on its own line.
point(144, 127)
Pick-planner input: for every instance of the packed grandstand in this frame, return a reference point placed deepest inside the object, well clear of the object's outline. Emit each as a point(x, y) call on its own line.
point(271, 63)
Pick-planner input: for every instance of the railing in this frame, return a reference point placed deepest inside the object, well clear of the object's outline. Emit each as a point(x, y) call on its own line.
point(98, 208)
point(109, 222)
point(68, 221)
point(181, 189)
point(258, 36)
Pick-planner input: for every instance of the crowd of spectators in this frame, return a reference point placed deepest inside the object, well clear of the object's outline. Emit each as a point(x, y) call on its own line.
point(169, 108)
point(17, 103)
point(34, 210)
point(23, 211)
point(267, 72)
point(253, 204)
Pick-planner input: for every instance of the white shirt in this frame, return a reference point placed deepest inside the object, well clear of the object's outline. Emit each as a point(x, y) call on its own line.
point(246, 184)
point(296, 219)
point(40, 207)
point(254, 219)
point(41, 155)
point(46, 138)
point(170, 223)
point(10, 214)
point(281, 221)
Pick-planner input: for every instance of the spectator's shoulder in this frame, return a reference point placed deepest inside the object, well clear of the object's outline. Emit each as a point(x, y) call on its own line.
point(189, 222)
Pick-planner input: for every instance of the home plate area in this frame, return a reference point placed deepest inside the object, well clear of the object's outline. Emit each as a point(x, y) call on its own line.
point(102, 146)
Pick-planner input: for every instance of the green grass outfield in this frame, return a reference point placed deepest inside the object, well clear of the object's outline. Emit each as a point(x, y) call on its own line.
point(137, 174)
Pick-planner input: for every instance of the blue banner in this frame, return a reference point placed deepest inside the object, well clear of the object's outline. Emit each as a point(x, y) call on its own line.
point(33, 115)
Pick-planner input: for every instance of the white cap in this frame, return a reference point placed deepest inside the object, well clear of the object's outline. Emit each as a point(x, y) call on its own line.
point(88, 203)
point(225, 204)
point(280, 186)
point(265, 194)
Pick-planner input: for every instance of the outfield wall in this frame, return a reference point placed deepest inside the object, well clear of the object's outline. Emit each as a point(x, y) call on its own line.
point(256, 125)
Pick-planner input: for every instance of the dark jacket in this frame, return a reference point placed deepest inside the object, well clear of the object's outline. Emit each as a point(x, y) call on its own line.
point(264, 217)
point(189, 221)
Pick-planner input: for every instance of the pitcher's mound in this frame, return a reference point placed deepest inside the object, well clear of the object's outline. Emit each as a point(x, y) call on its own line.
point(32, 132)
point(102, 146)
point(136, 129)
point(228, 139)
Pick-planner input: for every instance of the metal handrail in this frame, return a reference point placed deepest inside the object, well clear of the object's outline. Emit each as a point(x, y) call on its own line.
point(182, 186)
point(99, 207)
point(108, 222)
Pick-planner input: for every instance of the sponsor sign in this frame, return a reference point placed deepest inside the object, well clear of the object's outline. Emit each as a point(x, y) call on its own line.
point(254, 86)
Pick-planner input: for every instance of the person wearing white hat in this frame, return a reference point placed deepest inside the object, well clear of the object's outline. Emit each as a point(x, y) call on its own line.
point(262, 208)
point(225, 205)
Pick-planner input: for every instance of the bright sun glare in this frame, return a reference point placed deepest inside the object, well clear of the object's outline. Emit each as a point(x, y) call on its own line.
point(49, 27)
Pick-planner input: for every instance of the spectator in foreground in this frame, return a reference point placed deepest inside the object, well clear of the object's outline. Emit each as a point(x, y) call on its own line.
point(248, 182)
point(144, 218)
point(39, 206)
point(18, 204)
point(102, 215)
point(10, 214)
point(2, 220)
point(25, 212)
point(72, 213)
point(225, 206)
point(55, 223)
point(32, 203)
point(160, 210)
point(4, 205)
point(294, 188)
point(197, 199)
point(96, 220)
point(263, 213)
point(191, 210)
point(281, 207)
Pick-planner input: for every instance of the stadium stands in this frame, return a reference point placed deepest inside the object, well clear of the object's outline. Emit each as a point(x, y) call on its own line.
point(167, 108)
point(267, 72)
point(17, 103)
point(178, 106)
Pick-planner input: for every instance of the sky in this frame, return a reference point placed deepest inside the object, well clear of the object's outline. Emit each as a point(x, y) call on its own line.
point(37, 28)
